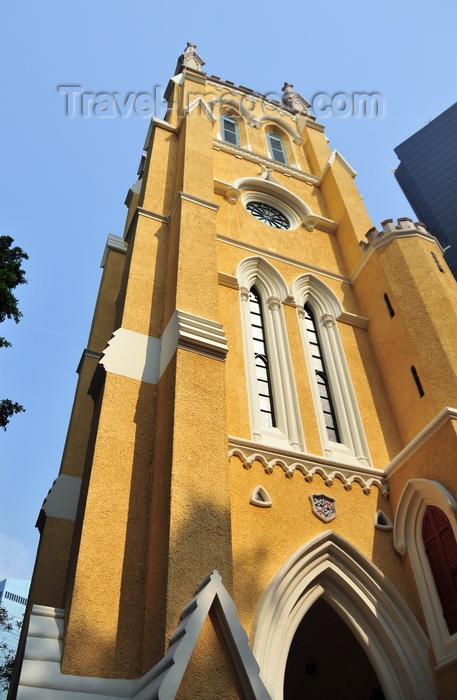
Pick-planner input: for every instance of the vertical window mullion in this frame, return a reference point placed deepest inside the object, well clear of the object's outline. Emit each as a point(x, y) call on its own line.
point(262, 369)
point(323, 386)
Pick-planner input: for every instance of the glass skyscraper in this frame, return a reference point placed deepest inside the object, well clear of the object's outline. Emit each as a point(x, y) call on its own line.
point(13, 597)
point(427, 175)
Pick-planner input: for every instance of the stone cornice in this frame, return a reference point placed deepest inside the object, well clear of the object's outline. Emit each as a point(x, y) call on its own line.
point(226, 280)
point(146, 213)
point(353, 320)
point(309, 465)
point(193, 333)
point(62, 499)
point(152, 215)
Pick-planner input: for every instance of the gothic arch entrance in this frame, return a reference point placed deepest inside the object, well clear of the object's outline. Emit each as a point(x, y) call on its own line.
point(350, 591)
point(325, 660)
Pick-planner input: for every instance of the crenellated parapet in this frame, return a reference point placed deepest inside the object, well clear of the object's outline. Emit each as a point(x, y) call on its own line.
point(390, 229)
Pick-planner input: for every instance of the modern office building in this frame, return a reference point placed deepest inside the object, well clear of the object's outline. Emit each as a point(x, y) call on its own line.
point(13, 598)
point(427, 175)
point(257, 497)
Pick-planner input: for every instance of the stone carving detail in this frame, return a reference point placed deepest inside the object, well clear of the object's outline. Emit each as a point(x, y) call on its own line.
point(324, 507)
point(293, 100)
point(367, 479)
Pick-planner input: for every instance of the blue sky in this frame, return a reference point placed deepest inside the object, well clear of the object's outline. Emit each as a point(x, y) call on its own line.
point(64, 180)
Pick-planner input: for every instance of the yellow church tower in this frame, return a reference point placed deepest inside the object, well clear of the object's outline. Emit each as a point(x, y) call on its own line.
point(257, 497)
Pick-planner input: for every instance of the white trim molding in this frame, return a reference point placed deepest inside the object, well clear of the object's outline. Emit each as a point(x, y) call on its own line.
point(63, 496)
point(335, 155)
point(424, 436)
point(332, 568)
point(133, 355)
point(308, 465)
point(267, 253)
point(113, 243)
point(164, 679)
point(353, 448)
point(143, 357)
point(186, 197)
point(273, 292)
point(195, 333)
point(42, 679)
point(408, 539)
point(276, 195)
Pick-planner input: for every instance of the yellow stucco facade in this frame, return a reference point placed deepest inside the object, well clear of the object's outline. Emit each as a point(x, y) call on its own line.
point(173, 468)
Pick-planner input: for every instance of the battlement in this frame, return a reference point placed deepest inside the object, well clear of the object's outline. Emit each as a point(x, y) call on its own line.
point(403, 227)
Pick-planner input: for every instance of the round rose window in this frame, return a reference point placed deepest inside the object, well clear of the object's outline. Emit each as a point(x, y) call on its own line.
point(268, 214)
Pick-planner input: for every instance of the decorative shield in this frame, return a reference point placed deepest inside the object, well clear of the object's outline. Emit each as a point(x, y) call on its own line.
point(323, 507)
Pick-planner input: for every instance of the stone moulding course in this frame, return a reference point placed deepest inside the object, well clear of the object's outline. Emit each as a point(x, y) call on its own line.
point(308, 465)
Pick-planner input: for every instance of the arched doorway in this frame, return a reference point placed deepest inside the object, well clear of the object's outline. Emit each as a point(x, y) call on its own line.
point(332, 572)
point(326, 660)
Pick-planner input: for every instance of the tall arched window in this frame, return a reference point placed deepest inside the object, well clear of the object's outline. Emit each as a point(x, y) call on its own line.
point(425, 529)
point(322, 381)
point(337, 413)
point(272, 397)
point(276, 147)
point(229, 129)
point(264, 388)
point(441, 549)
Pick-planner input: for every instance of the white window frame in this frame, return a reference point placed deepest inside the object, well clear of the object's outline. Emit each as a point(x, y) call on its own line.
point(288, 432)
point(232, 120)
point(408, 539)
point(353, 448)
point(271, 148)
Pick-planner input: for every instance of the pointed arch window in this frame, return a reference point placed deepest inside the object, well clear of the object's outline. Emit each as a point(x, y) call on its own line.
point(272, 401)
point(230, 132)
point(323, 386)
point(441, 549)
point(276, 147)
point(262, 370)
point(425, 529)
point(337, 414)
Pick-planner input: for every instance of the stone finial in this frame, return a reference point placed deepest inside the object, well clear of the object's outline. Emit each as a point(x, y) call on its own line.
point(189, 59)
point(293, 100)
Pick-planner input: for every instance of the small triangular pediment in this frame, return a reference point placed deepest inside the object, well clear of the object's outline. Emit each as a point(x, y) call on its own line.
point(208, 637)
